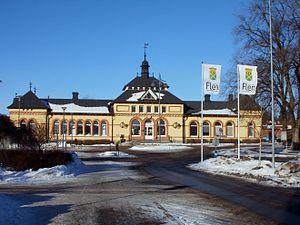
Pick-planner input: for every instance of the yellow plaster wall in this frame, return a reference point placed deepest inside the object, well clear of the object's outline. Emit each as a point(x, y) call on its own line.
point(84, 119)
point(37, 115)
point(245, 119)
point(122, 121)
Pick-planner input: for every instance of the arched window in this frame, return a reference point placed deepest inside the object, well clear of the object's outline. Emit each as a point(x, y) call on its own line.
point(87, 130)
point(23, 124)
point(229, 129)
point(32, 125)
point(64, 127)
point(161, 127)
point(79, 127)
point(56, 127)
point(95, 128)
point(218, 129)
point(103, 128)
point(251, 129)
point(206, 129)
point(72, 127)
point(193, 129)
point(135, 127)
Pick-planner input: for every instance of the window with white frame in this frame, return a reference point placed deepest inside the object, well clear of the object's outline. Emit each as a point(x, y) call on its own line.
point(103, 128)
point(95, 128)
point(229, 129)
point(218, 129)
point(87, 130)
point(56, 127)
point(32, 125)
point(148, 109)
point(161, 127)
point(193, 129)
point(141, 108)
point(251, 129)
point(133, 109)
point(206, 129)
point(79, 127)
point(135, 127)
point(64, 127)
point(72, 127)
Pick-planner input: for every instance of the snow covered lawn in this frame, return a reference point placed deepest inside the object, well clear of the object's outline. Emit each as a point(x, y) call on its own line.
point(56, 173)
point(285, 174)
point(160, 147)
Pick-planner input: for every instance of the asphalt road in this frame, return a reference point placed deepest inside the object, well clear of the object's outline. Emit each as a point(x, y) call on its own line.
point(282, 205)
point(149, 189)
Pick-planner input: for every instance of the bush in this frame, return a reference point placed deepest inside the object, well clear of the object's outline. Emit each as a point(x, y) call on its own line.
point(20, 160)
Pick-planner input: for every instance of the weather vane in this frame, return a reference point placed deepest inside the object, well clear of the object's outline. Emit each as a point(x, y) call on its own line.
point(145, 49)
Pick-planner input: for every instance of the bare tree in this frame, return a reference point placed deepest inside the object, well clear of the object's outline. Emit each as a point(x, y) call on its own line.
point(40, 134)
point(253, 35)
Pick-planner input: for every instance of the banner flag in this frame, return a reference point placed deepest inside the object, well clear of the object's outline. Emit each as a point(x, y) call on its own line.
point(248, 79)
point(211, 78)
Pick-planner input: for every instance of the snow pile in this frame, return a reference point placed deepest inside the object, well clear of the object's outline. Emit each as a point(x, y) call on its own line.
point(285, 174)
point(160, 148)
point(115, 154)
point(43, 175)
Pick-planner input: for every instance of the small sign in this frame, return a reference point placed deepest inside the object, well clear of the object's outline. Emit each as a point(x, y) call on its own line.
point(215, 142)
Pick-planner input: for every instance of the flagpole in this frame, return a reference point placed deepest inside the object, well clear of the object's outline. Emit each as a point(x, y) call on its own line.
point(238, 120)
point(272, 84)
point(202, 98)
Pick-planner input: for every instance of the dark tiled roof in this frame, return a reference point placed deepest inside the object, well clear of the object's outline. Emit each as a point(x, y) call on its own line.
point(28, 101)
point(167, 98)
point(246, 103)
point(195, 106)
point(144, 81)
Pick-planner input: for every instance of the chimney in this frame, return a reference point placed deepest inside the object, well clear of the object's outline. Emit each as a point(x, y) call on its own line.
point(75, 96)
point(230, 97)
point(207, 98)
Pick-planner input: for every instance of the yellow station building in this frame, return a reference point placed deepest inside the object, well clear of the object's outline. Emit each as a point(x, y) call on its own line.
point(145, 111)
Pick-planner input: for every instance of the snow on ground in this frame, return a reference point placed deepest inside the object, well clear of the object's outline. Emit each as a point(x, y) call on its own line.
point(53, 174)
point(106, 154)
point(284, 174)
point(115, 154)
point(254, 152)
point(160, 147)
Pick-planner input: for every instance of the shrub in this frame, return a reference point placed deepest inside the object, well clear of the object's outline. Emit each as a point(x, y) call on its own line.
point(29, 159)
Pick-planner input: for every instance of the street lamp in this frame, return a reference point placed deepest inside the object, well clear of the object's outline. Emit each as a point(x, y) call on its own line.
point(63, 128)
point(19, 106)
point(160, 82)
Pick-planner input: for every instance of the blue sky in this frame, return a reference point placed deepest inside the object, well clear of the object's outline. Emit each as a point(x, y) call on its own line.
point(96, 47)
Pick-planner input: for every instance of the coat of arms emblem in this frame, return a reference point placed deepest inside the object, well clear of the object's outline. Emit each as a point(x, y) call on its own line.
point(213, 73)
point(248, 74)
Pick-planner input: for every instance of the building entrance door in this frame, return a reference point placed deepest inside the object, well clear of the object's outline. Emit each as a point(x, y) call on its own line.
point(148, 130)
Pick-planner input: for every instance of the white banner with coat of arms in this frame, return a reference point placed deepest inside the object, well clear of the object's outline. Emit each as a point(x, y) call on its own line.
point(211, 78)
point(248, 79)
